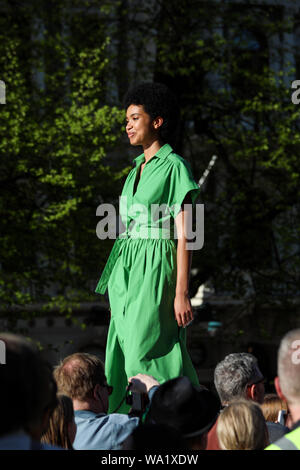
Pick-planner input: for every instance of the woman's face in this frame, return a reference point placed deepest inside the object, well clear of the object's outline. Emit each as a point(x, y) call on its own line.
point(140, 128)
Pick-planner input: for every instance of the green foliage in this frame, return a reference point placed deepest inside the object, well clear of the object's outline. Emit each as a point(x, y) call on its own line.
point(62, 118)
point(55, 133)
point(235, 93)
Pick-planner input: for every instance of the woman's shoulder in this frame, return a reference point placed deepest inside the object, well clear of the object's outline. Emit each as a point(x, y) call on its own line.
point(178, 160)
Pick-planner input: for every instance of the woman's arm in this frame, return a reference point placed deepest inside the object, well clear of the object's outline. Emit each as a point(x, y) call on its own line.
point(182, 305)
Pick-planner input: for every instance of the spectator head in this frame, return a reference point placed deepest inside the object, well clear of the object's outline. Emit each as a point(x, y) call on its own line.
point(241, 426)
point(271, 406)
point(191, 410)
point(238, 376)
point(61, 429)
point(288, 368)
point(28, 390)
point(157, 101)
point(81, 377)
point(153, 437)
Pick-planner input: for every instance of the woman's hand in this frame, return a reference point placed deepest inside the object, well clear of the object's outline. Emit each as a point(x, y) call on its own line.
point(182, 304)
point(183, 310)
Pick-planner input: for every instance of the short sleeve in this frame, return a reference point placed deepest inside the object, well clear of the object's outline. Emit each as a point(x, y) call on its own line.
point(181, 183)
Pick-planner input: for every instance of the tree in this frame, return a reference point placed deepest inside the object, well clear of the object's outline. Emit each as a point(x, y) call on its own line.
point(241, 109)
point(57, 127)
point(228, 64)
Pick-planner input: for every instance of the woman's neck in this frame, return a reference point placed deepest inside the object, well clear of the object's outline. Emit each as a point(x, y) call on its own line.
point(151, 149)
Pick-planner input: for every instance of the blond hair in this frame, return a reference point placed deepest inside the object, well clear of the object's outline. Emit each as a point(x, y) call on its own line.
point(241, 426)
point(271, 406)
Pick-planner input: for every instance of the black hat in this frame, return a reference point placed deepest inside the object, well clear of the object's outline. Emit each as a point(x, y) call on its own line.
point(178, 403)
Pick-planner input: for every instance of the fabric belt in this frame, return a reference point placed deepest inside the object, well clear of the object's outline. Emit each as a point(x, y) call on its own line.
point(152, 233)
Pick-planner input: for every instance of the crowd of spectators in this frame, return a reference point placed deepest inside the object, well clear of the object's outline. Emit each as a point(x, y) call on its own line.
point(67, 408)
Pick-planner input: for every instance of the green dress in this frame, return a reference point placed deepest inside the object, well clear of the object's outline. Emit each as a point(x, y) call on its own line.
point(141, 274)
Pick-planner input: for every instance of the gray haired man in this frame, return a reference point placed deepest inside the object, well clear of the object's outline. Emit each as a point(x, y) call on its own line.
point(239, 376)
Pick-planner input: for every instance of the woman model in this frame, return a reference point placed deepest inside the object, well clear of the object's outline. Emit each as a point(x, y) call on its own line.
point(146, 275)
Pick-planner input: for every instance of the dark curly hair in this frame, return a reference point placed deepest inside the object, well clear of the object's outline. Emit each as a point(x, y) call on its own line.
point(157, 100)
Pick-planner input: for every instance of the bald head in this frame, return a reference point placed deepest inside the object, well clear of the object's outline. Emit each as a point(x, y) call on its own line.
point(288, 367)
point(77, 375)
